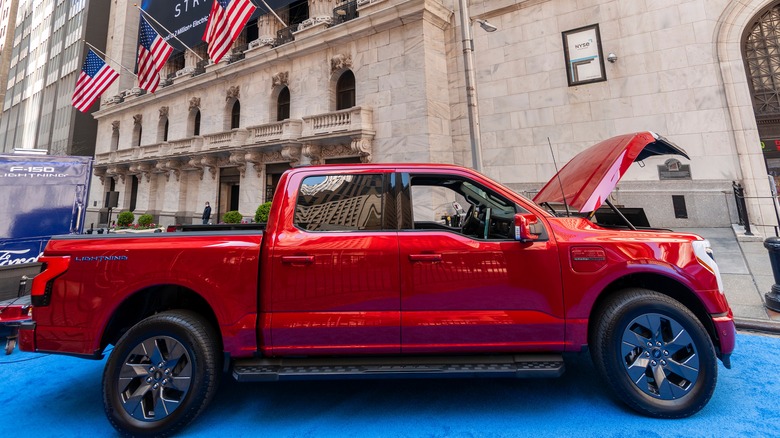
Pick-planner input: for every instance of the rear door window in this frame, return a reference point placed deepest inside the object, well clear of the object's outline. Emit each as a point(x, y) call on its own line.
point(340, 203)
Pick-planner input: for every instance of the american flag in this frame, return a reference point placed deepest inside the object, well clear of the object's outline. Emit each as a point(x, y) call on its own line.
point(153, 53)
point(95, 77)
point(226, 20)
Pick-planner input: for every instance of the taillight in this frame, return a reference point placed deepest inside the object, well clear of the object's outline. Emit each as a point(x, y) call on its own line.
point(52, 268)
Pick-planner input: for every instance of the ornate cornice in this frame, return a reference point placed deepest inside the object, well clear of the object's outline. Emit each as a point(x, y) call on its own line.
point(238, 158)
point(313, 152)
point(363, 147)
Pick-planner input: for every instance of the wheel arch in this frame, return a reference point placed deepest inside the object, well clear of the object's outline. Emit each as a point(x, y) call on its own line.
point(658, 283)
point(152, 300)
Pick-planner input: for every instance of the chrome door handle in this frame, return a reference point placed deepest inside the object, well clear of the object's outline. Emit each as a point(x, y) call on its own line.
point(298, 260)
point(425, 257)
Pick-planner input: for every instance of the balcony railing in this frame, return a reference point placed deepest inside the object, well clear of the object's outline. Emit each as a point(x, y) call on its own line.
point(125, 154)
point(353, 119)
point(345, 12)
point(285, 35)
point(186, 146)
point(237, 53)
point(153, 150)
point(275, 132)
point(227, 139)
point(103, 158)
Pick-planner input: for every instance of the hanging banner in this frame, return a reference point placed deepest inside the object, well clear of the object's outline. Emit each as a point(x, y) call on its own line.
point(187, 18)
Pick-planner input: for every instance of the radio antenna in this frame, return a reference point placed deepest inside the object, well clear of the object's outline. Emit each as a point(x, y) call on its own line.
point(558, 175)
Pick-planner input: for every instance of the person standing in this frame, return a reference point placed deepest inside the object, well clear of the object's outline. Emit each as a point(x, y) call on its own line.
point(206, 214)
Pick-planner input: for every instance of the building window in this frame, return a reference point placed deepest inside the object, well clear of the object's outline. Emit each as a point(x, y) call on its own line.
point(194, 122)
point(345, 91)
point(283, 105)
point(235, 115)
point(162, 129)
point(115, 140)
point(137, 132)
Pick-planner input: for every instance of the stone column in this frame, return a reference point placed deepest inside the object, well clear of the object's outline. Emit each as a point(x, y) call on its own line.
point(320, 14)
point(267, 26)
point(321, 8)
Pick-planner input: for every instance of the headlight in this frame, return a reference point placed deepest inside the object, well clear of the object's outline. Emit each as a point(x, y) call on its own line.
point(704, 255)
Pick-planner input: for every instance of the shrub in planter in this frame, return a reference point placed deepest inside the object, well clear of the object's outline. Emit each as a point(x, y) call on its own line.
point(261, 215)
point(145, 220)
point(125, 218)
point(232, 217)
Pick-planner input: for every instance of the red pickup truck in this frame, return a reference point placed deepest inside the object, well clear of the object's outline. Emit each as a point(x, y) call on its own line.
point(393, 270)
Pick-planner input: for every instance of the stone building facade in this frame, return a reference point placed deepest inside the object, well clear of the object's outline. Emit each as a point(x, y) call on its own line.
point(383, 81)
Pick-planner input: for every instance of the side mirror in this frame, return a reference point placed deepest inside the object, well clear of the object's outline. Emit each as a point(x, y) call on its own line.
point(526, 227)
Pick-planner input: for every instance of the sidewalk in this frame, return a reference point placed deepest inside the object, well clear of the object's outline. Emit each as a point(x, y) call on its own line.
point(747, 275)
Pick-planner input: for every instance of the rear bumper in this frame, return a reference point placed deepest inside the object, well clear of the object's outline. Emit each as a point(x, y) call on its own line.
point(27, 336)
point(27, 342)
point(14, 314)
point(727, 337)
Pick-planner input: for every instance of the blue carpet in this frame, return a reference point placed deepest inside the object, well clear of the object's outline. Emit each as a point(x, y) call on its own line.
point(48, 396)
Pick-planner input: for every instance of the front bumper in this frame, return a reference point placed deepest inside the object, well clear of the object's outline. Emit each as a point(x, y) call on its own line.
point(727, 337)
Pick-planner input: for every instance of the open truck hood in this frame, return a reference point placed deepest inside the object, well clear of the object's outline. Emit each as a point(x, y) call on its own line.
point(587, 180)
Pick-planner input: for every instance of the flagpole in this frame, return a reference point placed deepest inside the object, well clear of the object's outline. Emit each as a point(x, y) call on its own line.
point(169, 32)
point(108, 57)
point(272, 11)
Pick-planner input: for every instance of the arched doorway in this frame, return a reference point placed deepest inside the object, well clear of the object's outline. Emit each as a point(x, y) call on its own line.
point(731, 30)
point(761, 53)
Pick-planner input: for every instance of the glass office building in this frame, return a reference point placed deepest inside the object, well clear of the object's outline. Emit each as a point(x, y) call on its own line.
point(45, 61)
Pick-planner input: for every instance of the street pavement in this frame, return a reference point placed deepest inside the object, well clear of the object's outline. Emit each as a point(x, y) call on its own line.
point(747, 275)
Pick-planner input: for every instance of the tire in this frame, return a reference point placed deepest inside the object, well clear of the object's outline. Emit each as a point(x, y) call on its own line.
point(655, 354)
point(142, 398)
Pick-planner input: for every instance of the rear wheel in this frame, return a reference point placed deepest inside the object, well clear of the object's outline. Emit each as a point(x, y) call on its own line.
point(655, 354)
point(161, 375)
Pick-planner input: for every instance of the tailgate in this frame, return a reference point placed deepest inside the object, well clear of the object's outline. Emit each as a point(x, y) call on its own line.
point(14, 311)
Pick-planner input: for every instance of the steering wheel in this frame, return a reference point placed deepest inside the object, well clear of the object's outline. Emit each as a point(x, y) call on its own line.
point(470, 222)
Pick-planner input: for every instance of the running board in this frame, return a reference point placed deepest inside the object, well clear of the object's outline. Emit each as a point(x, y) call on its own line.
point(517, 366)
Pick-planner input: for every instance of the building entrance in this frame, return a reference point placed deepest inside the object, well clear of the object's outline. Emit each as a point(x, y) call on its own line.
point(229, 190)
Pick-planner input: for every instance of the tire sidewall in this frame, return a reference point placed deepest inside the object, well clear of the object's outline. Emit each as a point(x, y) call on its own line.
point(614, 365)
point(173, 326)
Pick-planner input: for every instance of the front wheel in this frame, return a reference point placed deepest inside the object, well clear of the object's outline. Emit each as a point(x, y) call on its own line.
point(161, 375)
point(655, 354)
